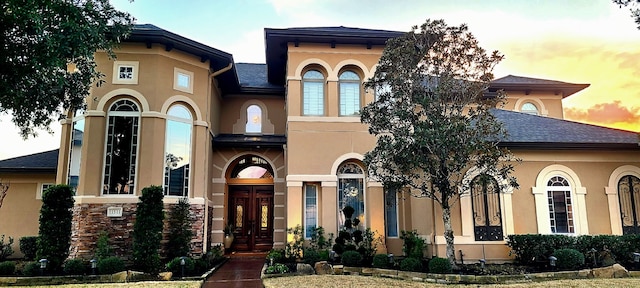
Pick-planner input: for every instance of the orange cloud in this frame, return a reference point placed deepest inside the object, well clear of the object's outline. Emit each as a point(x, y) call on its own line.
point(612, 114)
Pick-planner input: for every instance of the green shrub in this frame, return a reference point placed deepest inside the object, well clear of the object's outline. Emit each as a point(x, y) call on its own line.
point(277, 255)
point(180, 233)
point(103, 250)
point(318, 241)
point(147, 230)
point(31, 269)
point(7, 268)
point(568, 259)
point(201, 265)
point(5, 248)
point(411, 264)
point(412, 244)
point(294, 249)
point(277, 268)
point(311, 256)
point(110, 265)
point(174, 266)
point(54, 236)
point(381, 261)
point(351, 258)
point(530, 249)
point(28, 247)
point(439, 265)
point(75, 267)
point(324, 255)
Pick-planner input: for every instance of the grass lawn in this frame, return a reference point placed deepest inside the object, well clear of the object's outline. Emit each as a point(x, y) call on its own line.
point(159, 284)
point(367, 281)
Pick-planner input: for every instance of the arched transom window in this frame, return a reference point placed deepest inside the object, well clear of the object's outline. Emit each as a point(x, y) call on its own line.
point(313, 93)
point(349, 93)
point(529, 108)
point(487, 212)
point(629, 198)
point(177, 155)
point(122, 148)
point(560, 205)
point(351, 193)
point(252, 167)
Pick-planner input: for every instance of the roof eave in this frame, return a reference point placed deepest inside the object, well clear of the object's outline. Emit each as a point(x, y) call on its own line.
point(569, 146)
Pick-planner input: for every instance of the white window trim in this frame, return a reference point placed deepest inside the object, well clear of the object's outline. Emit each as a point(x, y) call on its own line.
point(304, 196)
point(116, 72)
point(364, 194)
point(578, 195)
point(187, 121)
point(41, 188)
point(397, 215)
point(345, 81)
point(176, 72)
point(466, 212)
point(612, 195)
point(104, 151)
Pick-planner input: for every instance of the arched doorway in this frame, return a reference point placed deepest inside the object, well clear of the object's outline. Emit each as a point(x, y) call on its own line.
point(250, 203)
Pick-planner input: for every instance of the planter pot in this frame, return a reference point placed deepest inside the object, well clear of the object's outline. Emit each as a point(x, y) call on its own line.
point(228, 240)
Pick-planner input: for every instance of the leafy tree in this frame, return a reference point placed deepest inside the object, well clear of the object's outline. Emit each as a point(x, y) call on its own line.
point(432, 116)
point(634, 7)
point(180, 233)
point(41, 38)
point(147, 230)
point(54, 236)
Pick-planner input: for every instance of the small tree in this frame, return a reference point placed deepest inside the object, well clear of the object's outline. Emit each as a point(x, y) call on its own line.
point(432, 116)
point(147, 230)
point(180, 233)
point(54, 236)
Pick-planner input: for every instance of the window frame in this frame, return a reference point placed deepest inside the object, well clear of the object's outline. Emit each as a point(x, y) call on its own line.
point(396, 197)
point(323, 98)
point(306, 204)
point(358, 83)
point(636, 212)
point(484, 200)
point(571, 219)
point(166, 179)
point(135, 67)
point(359, 176)
point(125, 114)
point(41, 188)
point(530, 111)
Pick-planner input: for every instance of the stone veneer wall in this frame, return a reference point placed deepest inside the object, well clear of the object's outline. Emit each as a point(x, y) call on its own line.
point(91, 219)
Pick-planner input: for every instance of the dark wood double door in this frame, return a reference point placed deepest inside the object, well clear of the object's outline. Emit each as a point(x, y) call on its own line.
point(251, 212)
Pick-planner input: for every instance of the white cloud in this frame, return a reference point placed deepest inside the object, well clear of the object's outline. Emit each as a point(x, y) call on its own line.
point(13, 145)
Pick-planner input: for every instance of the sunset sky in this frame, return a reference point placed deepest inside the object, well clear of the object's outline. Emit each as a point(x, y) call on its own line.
point(576, 41)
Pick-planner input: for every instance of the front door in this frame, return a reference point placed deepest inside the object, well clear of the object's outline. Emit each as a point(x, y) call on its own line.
point(251, 212)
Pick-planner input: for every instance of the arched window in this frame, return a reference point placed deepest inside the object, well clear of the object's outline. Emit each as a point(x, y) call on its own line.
point(122, 148)
point(254, 119)
point(487, 212)
point(252, 167)
point(351, 193)
point(629, 198)
point(313, 93)
point(349, 93)
point(529, 108)
point(560, 205)
point(75, 148)
point(177, 151)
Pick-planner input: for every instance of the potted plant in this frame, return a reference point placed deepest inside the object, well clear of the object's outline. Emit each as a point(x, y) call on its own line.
point(228, 235)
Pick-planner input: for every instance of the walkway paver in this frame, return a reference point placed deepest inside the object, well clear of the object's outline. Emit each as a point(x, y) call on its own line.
point(238, 272)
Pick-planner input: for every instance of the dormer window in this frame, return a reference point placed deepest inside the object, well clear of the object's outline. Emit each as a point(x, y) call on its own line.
point(529, 108)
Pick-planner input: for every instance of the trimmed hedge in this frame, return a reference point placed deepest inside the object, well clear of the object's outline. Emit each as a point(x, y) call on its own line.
point(28, 247)
point(74, 267)
point(351, 258)
point(411, 264)
point(174, 266)
point(535, 249)
point(381, 261)
point(7, 268)
point(110, 265)
point(569, 259)
point(439, 265)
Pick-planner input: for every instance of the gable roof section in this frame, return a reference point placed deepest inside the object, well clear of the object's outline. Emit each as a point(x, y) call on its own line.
point(253, 79)
point(151, 34)
point(43, 162)
point(276, 41)
point(537, 132)
point(528, 84)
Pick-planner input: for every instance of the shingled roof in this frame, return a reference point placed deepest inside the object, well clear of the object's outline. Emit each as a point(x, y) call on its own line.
point(537, 132)
point(253, 79)
point(43, 162)
point(527, 84)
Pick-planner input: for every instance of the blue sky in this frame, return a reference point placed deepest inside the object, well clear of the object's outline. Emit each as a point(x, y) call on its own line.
point(578, 41)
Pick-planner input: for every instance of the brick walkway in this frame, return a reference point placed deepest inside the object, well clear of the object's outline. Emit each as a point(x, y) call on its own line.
point(240, 271)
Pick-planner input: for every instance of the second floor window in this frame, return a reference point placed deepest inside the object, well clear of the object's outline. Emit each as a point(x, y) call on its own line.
point(529, 108)
point(313, 93)
point(349, 93)
point(122, 148)
point(177, 151)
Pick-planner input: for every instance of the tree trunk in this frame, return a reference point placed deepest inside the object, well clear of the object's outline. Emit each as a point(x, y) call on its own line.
point(448, 235)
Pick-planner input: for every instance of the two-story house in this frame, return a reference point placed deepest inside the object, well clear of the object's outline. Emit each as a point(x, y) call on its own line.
point(267, 147)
